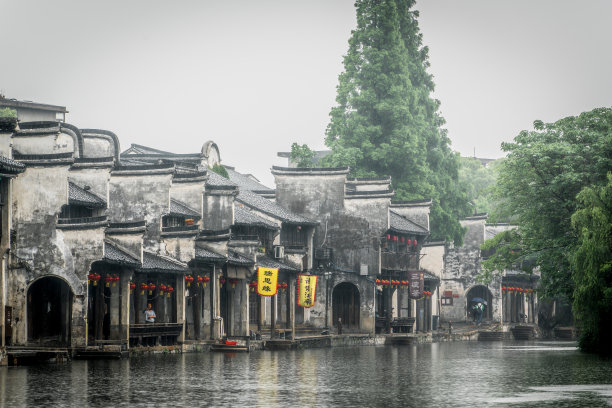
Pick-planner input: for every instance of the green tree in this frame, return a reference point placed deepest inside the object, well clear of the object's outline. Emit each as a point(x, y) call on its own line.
point(386, 123)
point(479, 182)
point(592, 267)
point(302, 155)
point(220, 170)
point(539, 180)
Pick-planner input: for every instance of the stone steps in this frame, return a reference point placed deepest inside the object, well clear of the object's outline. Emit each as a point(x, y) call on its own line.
point(520, 332)
point(490, 336)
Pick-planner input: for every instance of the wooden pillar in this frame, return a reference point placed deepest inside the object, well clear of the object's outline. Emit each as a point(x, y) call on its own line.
point(179, 301)
point(273, 317)
point(124, 293)
point(291, 300)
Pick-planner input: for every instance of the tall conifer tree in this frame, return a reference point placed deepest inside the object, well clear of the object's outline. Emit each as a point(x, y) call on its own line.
point(386, 123)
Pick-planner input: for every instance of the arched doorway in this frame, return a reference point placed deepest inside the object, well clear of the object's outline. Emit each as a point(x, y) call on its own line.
point(479, 291)
point(49, 312)
point(345, 305)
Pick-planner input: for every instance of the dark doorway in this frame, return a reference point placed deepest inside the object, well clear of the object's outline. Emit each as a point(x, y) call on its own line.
point(483, 292)
point(345, 305)
point(226, 308)
point(49, 312)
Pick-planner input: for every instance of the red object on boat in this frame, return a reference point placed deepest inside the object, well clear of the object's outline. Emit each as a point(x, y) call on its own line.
point(230, 342)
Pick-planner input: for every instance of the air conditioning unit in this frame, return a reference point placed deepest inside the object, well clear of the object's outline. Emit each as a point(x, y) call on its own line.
point(279, 251)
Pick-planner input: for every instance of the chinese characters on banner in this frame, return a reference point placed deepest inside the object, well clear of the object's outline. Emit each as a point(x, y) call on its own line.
point(266, 281)
point(307, 289)
point(417, 284)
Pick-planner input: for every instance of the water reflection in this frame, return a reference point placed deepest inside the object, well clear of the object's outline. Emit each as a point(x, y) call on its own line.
point(445, 374)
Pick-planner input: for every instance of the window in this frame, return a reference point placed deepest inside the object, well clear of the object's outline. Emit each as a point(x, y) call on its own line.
point(447, 301)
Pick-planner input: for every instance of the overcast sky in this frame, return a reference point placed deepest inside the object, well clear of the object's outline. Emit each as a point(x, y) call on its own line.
point(255, 76)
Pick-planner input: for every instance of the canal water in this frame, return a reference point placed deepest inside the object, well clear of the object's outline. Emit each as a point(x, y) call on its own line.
point(460, 374)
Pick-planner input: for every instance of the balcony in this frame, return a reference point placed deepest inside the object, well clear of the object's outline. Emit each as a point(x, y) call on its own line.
point(82, 222)
point(179, 230)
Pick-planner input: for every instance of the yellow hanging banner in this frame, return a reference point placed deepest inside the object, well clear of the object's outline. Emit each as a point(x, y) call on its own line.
point(267, 279)
point(307, 289)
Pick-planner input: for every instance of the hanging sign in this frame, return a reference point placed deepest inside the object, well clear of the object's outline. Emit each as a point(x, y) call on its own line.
point(307, 289)
point(417, 284)
point(267, 278)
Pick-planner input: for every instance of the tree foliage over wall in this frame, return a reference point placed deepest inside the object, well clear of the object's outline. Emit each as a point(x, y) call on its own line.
point(220, 170)
point(540, 181)
point(387, 124)
point(302, 155)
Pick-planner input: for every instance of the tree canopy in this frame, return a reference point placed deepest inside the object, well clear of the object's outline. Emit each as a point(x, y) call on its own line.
point(592, 267)
point(540, 181)
point(302, 155)
point(479, 183)
point(386, 122)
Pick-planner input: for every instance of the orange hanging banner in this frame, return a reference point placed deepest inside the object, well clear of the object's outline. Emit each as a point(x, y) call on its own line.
point(267, 278)
point(307, 289)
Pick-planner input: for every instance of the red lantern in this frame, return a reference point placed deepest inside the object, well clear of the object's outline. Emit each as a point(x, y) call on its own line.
point(188, 221)
point(115, 280)
point(233, 282)
point(378, 282)
point(93, 277)
point(395, 238)
point(170, 289)
point(132, 287)
point(108, 280)
point(221, 282)
point(252, 285)
point(162, 289)
point(408, 242)
point(200, 280)
point(415, 242)
point(284, 286)
point(188, 280)
point(151, 288)
point(205, 280)
point(388, 237)
point(402, 239)
point(143, 287)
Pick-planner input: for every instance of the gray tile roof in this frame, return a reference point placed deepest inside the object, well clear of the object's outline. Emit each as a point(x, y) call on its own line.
point(9, 166)
point(181, 209)
point(272, 209)
point(215, 180)
point(158, 263)
point(266, 262)
point(80, 196)
point(234, 258)
point(206, 255)
point(244, 216)
point(245, 182)
point(115, 255)
point(404, 225)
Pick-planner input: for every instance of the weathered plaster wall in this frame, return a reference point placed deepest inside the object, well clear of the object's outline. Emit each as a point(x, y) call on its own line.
point(98, 146)
point(313, 196)
point(96, 178)
point(432, 259)
point(189, 193)
point(44, 144)
point(181, 248)
point(218, 212)
point(417, 214)
point(140, 197)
